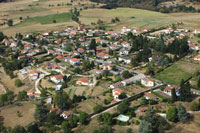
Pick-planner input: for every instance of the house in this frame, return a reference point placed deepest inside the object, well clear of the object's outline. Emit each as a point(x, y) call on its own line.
point(6, 42)
point(34, 74)
point(90, 34)
point(193, 47)
point(169, 88)
point(141, 111)
point(99, 72)
point(125, 59)
point(150, 96)
point(74, 61)
point(81, 50)
point(117, 85)
point(33, 94)
point(52, 66)
point(83, 81)
point(125, 44)
point(125, 29)
point(106, 67)
point(81, 39)
point(116, 93)
point(113, 47)
point(51, 51)
point(133, 79)
point(197, 58)
point(58, 87)
point(147, 82)
point(197, 31)
point(66, 114)
point(28, 46)
point(13, 44)
point(57, 78)
point(57, 110)
point(123, 51)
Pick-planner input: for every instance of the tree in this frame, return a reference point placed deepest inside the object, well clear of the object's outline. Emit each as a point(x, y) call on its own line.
point(22, 95)
point(126, 74)
point(98, 108)
point(10, 96)
point(1, 36)
point(41, 111)
point(194, 106)
point(172, 114)
point(144, 101)
point(152, 123)
point(104, 129)
point(129, 130)
point(62, 100)
point(66, 127)
point(54, 118)
point(198, 82)
point(19, 129)
point(110, 52)
point(123, 107)
point(145, 127)
point(33, 128)
point(83, 118)
point(174, 97)
point(185, 91)
point(10, 22)
point(106, 118)
point(3, 99)
point(182, 113)
point(18, 83)
point(92, 45)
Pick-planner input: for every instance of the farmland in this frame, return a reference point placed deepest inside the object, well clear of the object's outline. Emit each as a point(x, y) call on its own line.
point(178, 71)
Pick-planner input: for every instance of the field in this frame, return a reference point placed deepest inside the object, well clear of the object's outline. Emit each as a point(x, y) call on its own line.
point(128, 17)
point(178, 71)
point(9, 114)
point(41, 16)
point(48, 19)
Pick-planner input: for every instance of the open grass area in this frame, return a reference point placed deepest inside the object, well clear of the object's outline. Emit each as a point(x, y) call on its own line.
point(178, 71)
point(48, 19)
point(9, 114)
point(128, 17)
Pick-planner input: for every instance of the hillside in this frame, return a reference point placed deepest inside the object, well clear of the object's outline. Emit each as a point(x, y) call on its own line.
point(164, 6)
point(143, 4)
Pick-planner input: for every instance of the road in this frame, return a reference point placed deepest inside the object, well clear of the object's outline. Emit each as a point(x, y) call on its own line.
point(129, 99)
point(38, 80)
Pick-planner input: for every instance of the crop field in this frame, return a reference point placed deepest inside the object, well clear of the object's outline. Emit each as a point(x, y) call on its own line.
point(178, 71)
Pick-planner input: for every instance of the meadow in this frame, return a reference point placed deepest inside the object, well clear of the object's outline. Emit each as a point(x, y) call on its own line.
point(48, 19)
point(178, 71)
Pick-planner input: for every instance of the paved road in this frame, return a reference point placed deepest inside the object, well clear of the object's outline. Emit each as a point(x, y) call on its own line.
point(38, 80)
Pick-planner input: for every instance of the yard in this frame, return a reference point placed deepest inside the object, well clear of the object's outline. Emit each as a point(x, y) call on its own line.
point(178, 71)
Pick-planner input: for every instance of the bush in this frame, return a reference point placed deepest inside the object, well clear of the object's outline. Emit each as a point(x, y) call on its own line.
point(18, 83)
point(137, 122)
point(194, 106)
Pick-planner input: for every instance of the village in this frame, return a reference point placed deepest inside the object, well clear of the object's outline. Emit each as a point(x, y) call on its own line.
point(100, 68)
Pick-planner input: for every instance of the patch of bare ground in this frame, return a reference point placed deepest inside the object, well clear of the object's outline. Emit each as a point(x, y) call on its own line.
point(9, 114)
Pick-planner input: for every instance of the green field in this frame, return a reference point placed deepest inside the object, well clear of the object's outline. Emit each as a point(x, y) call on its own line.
point(48, 19)
point(178, 71)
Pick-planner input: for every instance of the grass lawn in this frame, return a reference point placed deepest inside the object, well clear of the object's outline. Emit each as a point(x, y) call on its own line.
point(48, 19)
point(178, 71)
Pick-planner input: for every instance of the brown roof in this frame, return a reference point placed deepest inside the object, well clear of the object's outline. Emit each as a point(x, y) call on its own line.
point(118, 90)
point(84, 79)
point(149, 95)
point(143, 109)
point(169, 88)
point(58, 77)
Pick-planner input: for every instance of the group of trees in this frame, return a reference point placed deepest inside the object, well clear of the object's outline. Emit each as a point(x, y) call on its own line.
point(115, 20)
point(178, 8)
point(75, 14)
point(185, 91)
point(7, 98)
point(152, 123)
point(176, 114)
